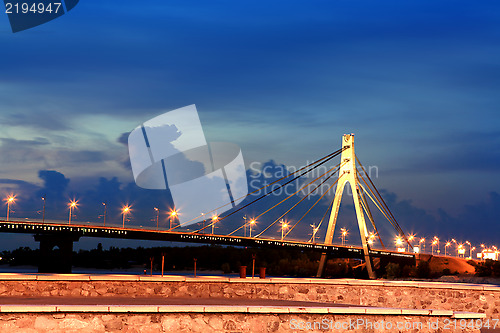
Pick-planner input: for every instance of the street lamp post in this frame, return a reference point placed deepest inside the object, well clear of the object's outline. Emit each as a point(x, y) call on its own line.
point(104, 216)
point(284, 225)
point(434, 242)
point(422, 240)
point(252, 223)
point(343, 234)
point(410, 238)
point(470, 247)
point(446, 248)
point(371, 238)
point(215, 218)
point(314, 231)
point(10, 199)
point(157, 217)
point(72, 204)
point(436, 239)
point(43, 210)
point(125, 211)
point(173, 214)
point(399, 243)
point(245, 226)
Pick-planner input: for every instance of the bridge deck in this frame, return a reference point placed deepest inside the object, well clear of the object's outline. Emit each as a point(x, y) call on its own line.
point(76, 231)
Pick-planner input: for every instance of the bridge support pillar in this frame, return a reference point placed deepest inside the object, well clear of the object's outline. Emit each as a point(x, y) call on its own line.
point(347, 174)
point(55, 253)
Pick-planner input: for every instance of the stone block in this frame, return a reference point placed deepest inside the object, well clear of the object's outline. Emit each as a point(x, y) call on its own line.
point(383, 311)
point(27, 308)
point(225, 309)
point(133, 308)
point(268, 309)
point(82, 308)
point(181, 308)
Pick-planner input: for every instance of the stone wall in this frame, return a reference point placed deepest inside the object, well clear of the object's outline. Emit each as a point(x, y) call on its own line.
point(410, 295)
point(216, 322)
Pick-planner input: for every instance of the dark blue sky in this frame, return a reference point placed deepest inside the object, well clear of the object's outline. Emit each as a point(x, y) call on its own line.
point(416, 81)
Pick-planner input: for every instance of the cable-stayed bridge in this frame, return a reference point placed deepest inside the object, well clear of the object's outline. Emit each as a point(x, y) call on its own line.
point(62, 235)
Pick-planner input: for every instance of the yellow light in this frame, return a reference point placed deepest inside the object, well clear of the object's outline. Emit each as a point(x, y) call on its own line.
point(215, 218)
point(448, 244)
point(126, 209)
point(73, 203)
point(173, 213)
point(399, 241)
point(411, 237)
point(252, 222)
point(10, 199)
point(422, 240)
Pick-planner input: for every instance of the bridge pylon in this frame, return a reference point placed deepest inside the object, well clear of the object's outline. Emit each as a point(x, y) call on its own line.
point(347, 174)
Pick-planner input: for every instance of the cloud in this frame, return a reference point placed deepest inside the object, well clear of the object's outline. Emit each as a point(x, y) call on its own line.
point(46, 120)
point(54, 184)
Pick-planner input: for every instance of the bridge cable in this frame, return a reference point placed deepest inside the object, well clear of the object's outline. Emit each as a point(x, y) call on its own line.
point(321, 197)
point(325, 159)
point(366, 208)
point(296, 204)
point(328, 209)
point(291, 195)
point(328, 157)
point(383, 202)
point(376, 202)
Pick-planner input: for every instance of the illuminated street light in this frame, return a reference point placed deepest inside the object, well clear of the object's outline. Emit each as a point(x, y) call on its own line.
point(399, 242)
point(245, 226)
point(173, 214)
point(410, 238)
point(470, 248)
point(104, 215)
point(446, 248)
point(215, 218)
point(471, 251)
point(460, 250)
point(371, 238)
point(315, 230)
point(284, 225)
point(10, 200)
point(422, 241)
point(343, 234)
point(43, 211)
point(72, 205)
point(434, 242)
point(252, 223)
point(157, 217)
point(456, 245)
point(437, 242)
point(125, 211)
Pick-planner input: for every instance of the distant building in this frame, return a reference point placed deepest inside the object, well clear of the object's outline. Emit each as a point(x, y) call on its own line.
point(488, 254)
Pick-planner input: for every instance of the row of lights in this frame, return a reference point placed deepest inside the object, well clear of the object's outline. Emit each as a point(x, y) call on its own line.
point(435, 243)
point(73, 204)
point(126, 209)
point(399, 241)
